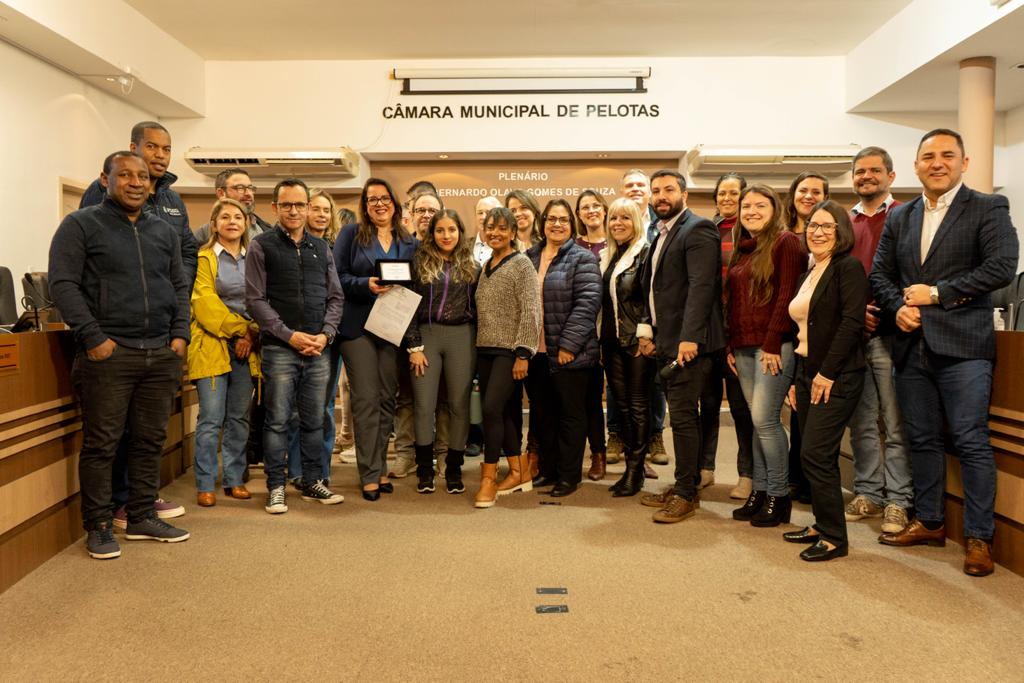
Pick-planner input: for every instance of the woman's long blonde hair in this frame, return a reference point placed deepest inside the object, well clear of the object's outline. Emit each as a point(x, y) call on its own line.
point(217, 206)
point(331, 233)
point(632, 211)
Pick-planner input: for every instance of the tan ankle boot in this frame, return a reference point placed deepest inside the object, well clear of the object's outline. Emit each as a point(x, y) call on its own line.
point(488, 492)
point(533, 458)
point(518, 478)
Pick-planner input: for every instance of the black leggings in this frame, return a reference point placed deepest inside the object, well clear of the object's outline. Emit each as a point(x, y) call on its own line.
point(630, 378)
point(502, 404)
point(595, 409)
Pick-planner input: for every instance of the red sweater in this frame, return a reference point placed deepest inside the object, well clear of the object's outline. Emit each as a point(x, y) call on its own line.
point(867, 231)
point(725, 226)
point(766, 325)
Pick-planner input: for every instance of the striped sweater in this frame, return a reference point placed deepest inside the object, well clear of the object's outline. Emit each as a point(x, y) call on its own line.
point(508, 306)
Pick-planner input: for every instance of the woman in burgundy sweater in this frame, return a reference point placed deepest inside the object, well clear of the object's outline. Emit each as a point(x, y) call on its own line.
point(766, 263)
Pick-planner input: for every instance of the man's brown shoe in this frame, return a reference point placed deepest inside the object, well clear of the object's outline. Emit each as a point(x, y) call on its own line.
point(677, 509)
point(657, 500)
point(916, 534)
point(206, 499)
point(597, 467)
point(239, 492)
point(978, 561)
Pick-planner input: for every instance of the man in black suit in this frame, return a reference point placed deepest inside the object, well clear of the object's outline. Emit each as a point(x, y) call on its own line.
point(683, 288)
point(939, 259)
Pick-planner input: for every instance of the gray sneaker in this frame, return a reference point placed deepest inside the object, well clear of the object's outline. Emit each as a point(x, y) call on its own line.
point(656, 450)
point(894, 519)
point(154, 529)
point(402, 467)
point(276, 501)
point(860, 507)
point(101, 544)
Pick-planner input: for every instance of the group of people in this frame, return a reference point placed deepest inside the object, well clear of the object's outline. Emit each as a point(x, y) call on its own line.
point(878, 318)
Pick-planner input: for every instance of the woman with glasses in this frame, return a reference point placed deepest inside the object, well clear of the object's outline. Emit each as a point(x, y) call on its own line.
point(221, 357)
point(508, 326)
point(592, 212)
point(441, 341)
point(806, 190)
point(630, 373)
point(828, 310)
point(567, 351)
point(764, 266)
point(371, 361)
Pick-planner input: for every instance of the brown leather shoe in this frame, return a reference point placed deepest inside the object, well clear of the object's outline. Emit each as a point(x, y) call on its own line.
point(206, 499)
point(978, 561)
point(239, 492)
point(677, 509)
point(916, 534)
point(649, 472)
point(598, 467)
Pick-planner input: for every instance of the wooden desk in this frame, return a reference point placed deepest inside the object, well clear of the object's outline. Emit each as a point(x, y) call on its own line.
point(40, 437)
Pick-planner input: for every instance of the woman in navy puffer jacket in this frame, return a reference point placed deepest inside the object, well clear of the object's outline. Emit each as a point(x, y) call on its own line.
point(570, 285)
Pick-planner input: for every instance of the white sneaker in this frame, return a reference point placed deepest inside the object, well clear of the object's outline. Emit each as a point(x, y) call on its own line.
point(402, 467)
point(276, 501)
point(894, 519)
point(860, 507)
point(743, 489)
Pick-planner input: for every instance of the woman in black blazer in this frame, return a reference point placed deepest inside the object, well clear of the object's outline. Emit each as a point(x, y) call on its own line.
point(828, 310)
point(371, 361)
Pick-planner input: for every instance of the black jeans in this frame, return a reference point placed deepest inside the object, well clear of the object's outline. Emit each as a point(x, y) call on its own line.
point(502, 403)
point(683, 389)
point(131, 389)
point(821, 427)
point(630, 378)
point(595, 409)
point(710, 410)
point(560, 408)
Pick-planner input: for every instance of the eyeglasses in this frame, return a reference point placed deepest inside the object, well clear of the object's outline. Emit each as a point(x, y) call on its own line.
point(558, 220)
point(825, 228)
point(383, 201)
point(287, 207)
point(425, 211)
point(243, 188)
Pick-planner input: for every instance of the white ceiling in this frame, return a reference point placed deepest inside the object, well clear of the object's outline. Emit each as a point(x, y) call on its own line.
point(414, 29)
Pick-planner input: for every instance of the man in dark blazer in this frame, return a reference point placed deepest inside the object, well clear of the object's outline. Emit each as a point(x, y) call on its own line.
point(683, 289)
point(939, 259)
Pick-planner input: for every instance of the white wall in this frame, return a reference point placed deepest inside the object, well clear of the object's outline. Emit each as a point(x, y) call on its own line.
point(714, 101)
point(51, 125)
point(1010, 164)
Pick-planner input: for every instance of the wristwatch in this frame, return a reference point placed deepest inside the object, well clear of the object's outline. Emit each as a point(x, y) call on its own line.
point(933, 292)
point(330, 338)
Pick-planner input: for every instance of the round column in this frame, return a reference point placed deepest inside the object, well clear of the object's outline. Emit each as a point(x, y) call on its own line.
point(977, 119)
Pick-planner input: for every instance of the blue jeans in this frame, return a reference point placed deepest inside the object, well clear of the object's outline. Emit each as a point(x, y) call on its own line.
point(658, 407)
point(293, 382)
point(330, 428)
point(930, 386)
point(882, 480)
point(765, 393)
point(223, 404)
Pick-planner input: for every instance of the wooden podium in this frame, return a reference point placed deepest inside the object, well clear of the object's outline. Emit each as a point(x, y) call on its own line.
point(40, 436)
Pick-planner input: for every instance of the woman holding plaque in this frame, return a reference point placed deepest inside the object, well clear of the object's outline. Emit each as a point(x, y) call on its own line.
point(441, 341)
point(371, 361)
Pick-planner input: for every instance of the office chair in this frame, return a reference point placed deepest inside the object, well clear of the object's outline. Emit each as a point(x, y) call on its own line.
point(8, 308)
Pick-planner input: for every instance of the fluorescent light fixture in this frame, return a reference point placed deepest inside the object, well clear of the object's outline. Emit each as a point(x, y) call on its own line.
point(515, 81)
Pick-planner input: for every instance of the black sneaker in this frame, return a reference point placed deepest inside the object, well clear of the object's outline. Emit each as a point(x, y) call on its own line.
point(154, 529)
point(101, 544)
point(317, 492)
point(276, 501)
point(454, 485)
point(425, 484)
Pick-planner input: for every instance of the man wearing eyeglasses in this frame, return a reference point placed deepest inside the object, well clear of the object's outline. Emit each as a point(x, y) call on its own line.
point(293, 293)
point(424, 208)
point(235, 183)
point(940, 257)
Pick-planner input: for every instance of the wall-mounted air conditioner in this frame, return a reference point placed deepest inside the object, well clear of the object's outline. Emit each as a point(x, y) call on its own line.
point(773, 165)
point(335, 163)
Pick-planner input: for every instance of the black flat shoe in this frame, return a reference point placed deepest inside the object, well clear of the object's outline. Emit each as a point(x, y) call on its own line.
point(805, 535)
point(563, 488)
point(820, 552)
point(371, 495)
point(541, 481)
point(387, 487)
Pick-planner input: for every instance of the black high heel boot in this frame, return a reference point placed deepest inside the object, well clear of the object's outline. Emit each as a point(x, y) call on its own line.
point(632, 481)
point(751, 507)
point(625, 475)
point(775, 511)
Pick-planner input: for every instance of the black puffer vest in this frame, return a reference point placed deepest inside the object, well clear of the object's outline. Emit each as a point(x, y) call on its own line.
point(296, 280)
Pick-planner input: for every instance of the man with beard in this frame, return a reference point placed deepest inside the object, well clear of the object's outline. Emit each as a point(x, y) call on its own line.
point(882, 485)
point(683, 290)
point(235, 183)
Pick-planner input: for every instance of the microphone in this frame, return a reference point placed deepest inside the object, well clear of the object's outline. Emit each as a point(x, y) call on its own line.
point(30, 306)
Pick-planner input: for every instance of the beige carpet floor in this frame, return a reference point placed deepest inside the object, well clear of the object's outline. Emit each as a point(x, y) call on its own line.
point(421, 587)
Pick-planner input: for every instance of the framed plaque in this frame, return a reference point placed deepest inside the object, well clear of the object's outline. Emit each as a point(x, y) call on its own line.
point(393, 271)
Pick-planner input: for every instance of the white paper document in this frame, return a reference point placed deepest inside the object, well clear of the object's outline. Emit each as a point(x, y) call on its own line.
point(392, 313)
